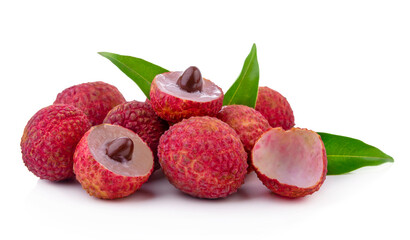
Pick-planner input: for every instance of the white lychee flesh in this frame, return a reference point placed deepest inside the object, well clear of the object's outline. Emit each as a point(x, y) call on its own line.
point(141, 161)
point(293, 157)
point(168, 83)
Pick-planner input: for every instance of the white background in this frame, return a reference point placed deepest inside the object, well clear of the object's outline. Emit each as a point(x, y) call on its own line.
point(344, 66)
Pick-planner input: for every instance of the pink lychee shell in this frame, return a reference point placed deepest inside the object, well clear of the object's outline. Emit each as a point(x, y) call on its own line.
point(292, 191)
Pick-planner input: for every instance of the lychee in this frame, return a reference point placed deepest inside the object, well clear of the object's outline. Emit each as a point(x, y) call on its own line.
point(275, 108)
point(112, 162)
point(178, 95)
point(203, 157)
point(248, 123)
point(95, 99)
point(49, 140)
point(290, 163)
point(141, 119)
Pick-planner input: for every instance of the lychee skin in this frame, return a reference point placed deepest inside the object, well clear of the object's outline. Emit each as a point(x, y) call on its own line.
point(291, 191)
point(49, 141)
point(141, 119)
point(95, 99)
point(174, 109)
point(275, 108)
point(97, 180)
point(203, 157)
point(248, 123)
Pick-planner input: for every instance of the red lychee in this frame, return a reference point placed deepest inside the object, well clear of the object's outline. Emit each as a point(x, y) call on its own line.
point(178, 95)
point(49, 140)
point(95, 99)
point(112, 162)
point(275, 108)
point(203, 157)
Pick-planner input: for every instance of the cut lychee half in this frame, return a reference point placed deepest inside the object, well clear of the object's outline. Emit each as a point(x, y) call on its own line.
point(111, 161)
point(290, 163)
point(178, 95)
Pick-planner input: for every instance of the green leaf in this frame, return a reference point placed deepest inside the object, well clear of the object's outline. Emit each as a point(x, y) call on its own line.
point(140, 71)
point(244, 90)
point(346, 154)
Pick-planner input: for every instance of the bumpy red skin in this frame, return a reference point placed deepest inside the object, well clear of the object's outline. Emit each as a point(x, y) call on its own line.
point(248, 123)
point(95, 99)
point(49, 141)
point(291, 191)
point(141, 119)
point(275, 108)
point(174, 109)
point(203, 157)
point(97, 180)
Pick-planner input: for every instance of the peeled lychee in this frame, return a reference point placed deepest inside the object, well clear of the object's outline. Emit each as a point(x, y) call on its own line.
point(112, 162)
point(203, 157)
point(95, 99)
point(178, 95)
point(290, 163)
point(49, 141)
point(141, 119)
point(275, 108)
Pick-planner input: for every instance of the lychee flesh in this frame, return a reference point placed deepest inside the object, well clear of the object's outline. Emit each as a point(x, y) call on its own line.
point(105, 177)
point(173, 104)
point(275, 108)
point(203, 157)
point(141, 119)
point(95, 99)
point(49, 141)
point(290, 163)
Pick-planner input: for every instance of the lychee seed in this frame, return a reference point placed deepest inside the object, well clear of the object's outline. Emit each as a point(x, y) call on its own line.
point(191, 80)
point(120, 149)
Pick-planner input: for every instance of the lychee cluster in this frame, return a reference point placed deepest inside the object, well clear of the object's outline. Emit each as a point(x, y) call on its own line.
point(205, 150)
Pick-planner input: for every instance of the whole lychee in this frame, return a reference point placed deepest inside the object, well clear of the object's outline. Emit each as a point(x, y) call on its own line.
point(95, 99)
point(290, 163)
point(203, 157)
point(141, 119)
point(178, 95)
point(248, 123)
point(49, 140)
point(112, 162)
point(275, 108)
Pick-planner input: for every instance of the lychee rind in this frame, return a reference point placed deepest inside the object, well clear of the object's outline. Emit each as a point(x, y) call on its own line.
point(248, 123)
point(290, 190)
point(203, 157)
point(99, 181)
point(49, 141)
point(275, 108)
point(95, 99)
point(173, 109)
point(141, 119)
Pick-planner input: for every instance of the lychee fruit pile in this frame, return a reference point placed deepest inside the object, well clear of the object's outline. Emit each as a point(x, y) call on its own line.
point(112, 146)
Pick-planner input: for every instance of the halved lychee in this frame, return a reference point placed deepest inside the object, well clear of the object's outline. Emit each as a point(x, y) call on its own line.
point(111, 161)
point(178, 95)
point(290, 163)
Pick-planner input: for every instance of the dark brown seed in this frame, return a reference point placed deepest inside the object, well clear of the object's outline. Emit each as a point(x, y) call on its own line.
point(120, 149)
point(191, 80)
